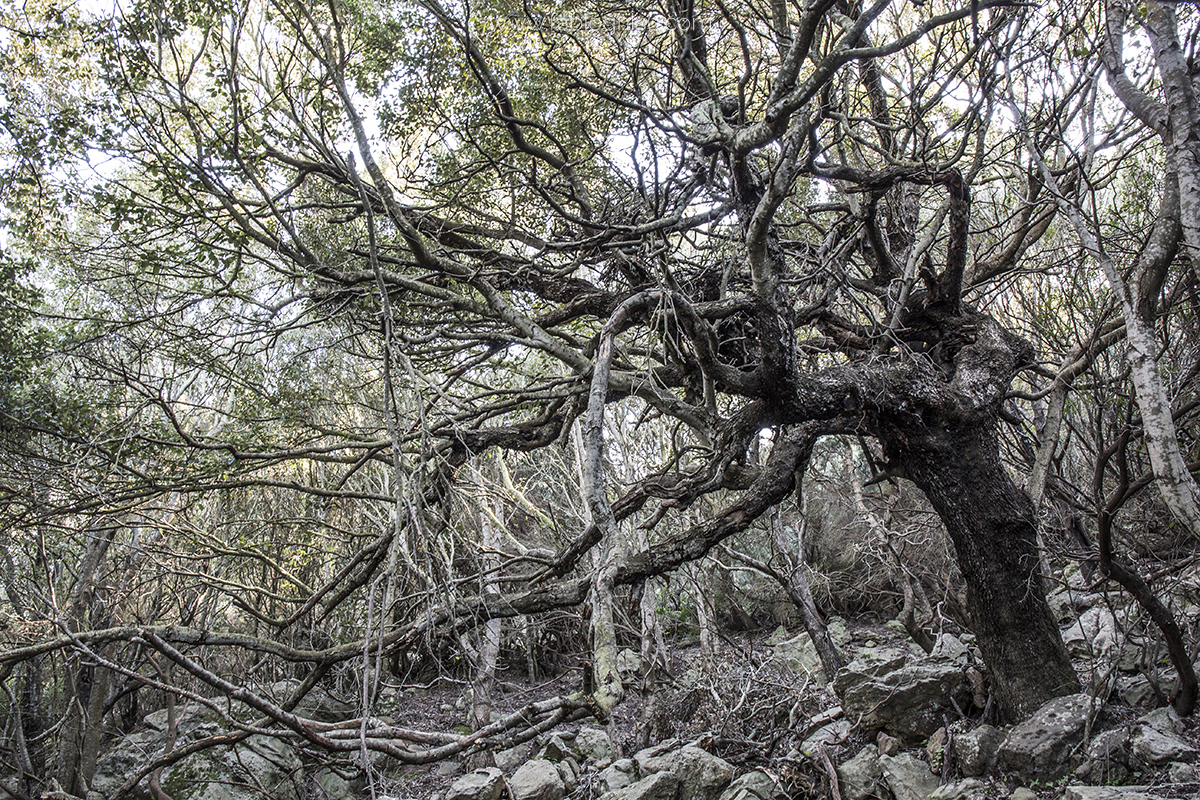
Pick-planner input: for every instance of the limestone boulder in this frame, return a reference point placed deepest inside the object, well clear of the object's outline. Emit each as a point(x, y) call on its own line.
point(966, 789)
point(1108, 793)
point(907, 700)
point(755, 785)
point(701, 775)
point(861, 777)
point(1156, 747)
point(255, 767)
point(482, 784)
point(976, 749)
point(659, 786)
point(1045, 746)
point(593, 744)
point(799, 654)
point(538, 779)
point(618, 775)
point(908, 777)
point(1094, 635)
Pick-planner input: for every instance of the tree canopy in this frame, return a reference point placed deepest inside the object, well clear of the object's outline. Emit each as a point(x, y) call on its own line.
point(334, 333)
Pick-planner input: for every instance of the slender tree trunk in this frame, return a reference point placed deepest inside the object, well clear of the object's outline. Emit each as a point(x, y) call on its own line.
point(484, 683)
point(801, 595)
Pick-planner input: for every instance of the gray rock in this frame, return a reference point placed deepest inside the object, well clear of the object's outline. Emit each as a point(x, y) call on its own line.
point(568, 768)
point(618, 775)
point(330, 785)
point(508, 761)
point(799, 654)
point(1107, 759)
point(593, 744)
point(1107, 793)
point(448, 769)
point(1068, 602)
point(1164, 719)
point(482, 784)
point(702, 776)
point(537, 780)
point(951, 649)
point(255, 767)
point(908, 777)
point(1023, 793)
point(555, 749)
point(318, 704)
point(755, 785)
point(908, 701)
point(976, 749)
point(960, 790)
point(1094, 635)
point(1155, 747)
point(1043, 746)
point(629, 663)
point(659, 786)
point(860, 777)
point(829, 734)
point(1183, 773)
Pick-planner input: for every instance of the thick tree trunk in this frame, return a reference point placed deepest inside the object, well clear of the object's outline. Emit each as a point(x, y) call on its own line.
point(991, 522)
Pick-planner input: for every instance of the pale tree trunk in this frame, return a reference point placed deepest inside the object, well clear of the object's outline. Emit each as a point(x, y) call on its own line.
point(607, 687)
point(484, 683)
point(1177, 123)
point(799, 591)
point(654, 657)
point(702, 581)
point(86, 684)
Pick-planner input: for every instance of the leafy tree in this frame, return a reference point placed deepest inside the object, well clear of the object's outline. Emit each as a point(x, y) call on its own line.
point(321, 259)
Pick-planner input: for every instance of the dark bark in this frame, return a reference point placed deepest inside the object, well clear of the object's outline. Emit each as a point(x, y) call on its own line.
point(991, 522)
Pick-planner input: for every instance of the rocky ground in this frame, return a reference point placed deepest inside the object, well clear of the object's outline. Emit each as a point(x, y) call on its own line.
point(762, 722)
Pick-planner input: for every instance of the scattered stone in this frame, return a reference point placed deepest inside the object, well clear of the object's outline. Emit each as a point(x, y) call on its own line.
point(659, 786)
point(593, 744)
point(330, 785)
point(827, 735)
point(861, 776)
point(908, 701)
point(510, 760)
point(1107, 793)
point(555, 749)
point(538, 779)
point(568, 769)
point(482, 784)
point(799, 654)
point(1094, 635)
point(629, 663)
point(757, 785)
point(1164, 719)
point(908, 777)
point(1155, 747)
point(935, 749)
point(701, 775)
point(1183, 773)
point(976, 749)
point(1107, 758)
point(888, 745)
point(959, 790)
point(951, 648)
point(1023, 793)
point(618, 775)
point(318, 704)
point(448, 768)
point(225, 773)
point(1042, 747)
